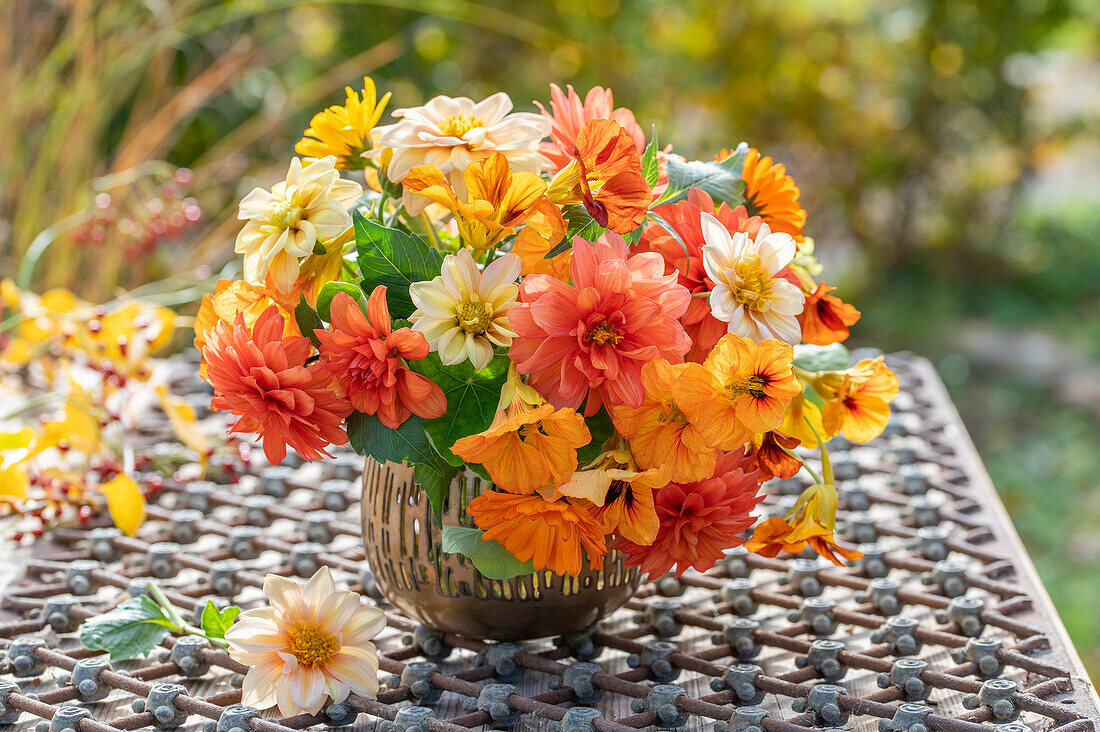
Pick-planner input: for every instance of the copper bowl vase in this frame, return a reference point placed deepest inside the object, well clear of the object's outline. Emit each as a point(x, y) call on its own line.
point(445, 592)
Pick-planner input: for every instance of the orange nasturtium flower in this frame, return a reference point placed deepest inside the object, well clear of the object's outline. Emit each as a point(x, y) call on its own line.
point(826, 318)
point(857, 401)
point(544, 230)
point(803, 421)
point(606, 176)
point(741, 389)
point(773, 457)
point(555, 535)
point(498, 198)
point(229, 298)
point(811, 522)
point(623, 495)
point(659, 431)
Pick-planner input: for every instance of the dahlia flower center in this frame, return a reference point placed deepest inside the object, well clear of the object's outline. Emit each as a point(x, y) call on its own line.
point(475, 315)
point(604, 334)
point(285, 214)
point(311, 646)
point(753, 386)
point(457, 125)
point(754, 288)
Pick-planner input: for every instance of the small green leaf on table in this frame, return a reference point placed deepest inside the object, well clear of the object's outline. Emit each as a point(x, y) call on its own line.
point(133, 628)
point(489, 557)
point(215, 622)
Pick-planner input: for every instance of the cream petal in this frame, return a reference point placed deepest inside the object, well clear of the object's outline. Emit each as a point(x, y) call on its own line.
point(338, 691)
point(434, 298)
point(284, 594)
point(783, 327)
point(307, 689)
point(256, 205)
point(787, 298)
point(716, 261)
point(493, 108)
point(714, 233)
point(452, 347)
point(434, 328)
point(502, 271)
point(721, 303)
point(404, 159)
point(365, 624)
point(525, 161)
point(776, 251)
point(287, 708)
point(259, 685)
point(337, 611)
point(358, 668)
point(294, 173)
point(480, 351)
point(319, 587)
point(284, 270)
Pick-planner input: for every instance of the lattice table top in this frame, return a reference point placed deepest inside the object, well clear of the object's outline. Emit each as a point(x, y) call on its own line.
point(942, 626)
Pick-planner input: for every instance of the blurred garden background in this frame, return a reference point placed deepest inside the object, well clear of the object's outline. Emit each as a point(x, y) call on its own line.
point(948, 154)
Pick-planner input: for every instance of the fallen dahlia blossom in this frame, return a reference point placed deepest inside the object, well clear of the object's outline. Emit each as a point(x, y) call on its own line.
point(370, 361)
point(591, 337)
point(700, 520)
point(312, 642)
point(259, 374)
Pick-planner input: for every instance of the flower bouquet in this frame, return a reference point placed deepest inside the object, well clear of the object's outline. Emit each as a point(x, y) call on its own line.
point(623, 344)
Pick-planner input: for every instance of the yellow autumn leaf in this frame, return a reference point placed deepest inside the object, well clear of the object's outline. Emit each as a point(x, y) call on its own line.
point(13, 482)
point(182, 417)
point(79, 428)
point(125, 502)
point(14, 449)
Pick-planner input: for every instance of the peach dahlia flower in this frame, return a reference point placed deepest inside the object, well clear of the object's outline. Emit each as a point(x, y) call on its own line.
point(312, 642)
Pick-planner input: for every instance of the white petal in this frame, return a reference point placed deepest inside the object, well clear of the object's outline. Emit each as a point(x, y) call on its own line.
point(502, 271)
point(714, 233)
point(776, 251)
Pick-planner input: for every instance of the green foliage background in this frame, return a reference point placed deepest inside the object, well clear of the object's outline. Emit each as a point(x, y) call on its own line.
point(946, 152)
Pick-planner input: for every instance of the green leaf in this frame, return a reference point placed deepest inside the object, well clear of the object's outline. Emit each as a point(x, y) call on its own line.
point(133, 628)
point(435, 480)
point(723, 184)
point(472, 398)
point(307, 320)
point(489, 557)
point(215, 622)
point(329, 290)
point(650, 169)
point(601, 428)
point(368, 436)
point(395, 259)
point(578, 223)
point(833, 357)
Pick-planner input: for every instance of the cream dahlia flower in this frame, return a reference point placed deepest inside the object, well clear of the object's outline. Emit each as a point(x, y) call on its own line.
point(749, 294)
point(452, 132)
point(463, 313)
point(312, 642)
point(284, 223)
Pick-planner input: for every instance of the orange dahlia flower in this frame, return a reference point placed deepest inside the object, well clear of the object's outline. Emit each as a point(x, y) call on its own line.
point(260, 375)
point(772, 195)
point(741, 389)
point(826, 318)
point(686, 260)
point(568, 116)
point(229, 298)
point(369, 360)
point(857, 401)
point(525, 450)
point(699, 521)
point(659, 431)
point(555, 535)
point(586, 341)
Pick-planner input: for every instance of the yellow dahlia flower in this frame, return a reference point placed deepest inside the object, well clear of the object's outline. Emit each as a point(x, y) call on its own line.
point(284, 223)
point(344, 132)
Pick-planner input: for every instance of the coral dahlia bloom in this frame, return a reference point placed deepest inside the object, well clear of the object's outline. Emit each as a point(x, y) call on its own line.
point(555, 535)
point(283, 224)
point(857, 401)
point(464, 312)
point(370, 361)
point(741, 389)
point(771, 194)
point(452, 132)
point(344, 132)
point(313, 641)
point(622, 494)
point(686, 259)
point(750, 293)
point(826, 318)
point(568, 115)
point(659, 431)
point(699, 521)
point(260, 375)
point(525, 450)
point(591, 337)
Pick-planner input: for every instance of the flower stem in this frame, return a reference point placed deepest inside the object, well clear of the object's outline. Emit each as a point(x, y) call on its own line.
point(432, 238)
point(826, 466)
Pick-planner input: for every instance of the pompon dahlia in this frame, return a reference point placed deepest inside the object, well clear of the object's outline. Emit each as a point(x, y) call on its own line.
point(700, 520)
point(568, 114)
point(554, 535)
point(369, 359)
point(259, 374)
point(684, 220)
point(591, 337)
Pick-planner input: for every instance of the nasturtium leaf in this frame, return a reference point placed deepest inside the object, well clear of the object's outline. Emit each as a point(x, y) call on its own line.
point(329, 291)
point(368, 436)
point(133, 628)
point(489, 557)
point(472, 398)
point(719, 179)
point(215, 621)
point(306, 318)
point(435, 480)
point(125, 503)
point(833, 357)
point(395, 259)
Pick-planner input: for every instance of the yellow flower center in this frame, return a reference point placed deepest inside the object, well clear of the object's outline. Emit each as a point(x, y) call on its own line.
point(604, 334)
point(755, 288)
point(285, 214)
point(457, 125)
point(754, 386)
point(475, 315)
point(311, 646)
